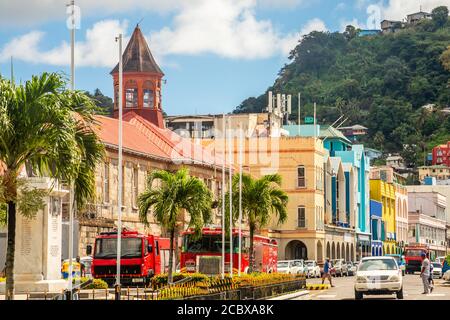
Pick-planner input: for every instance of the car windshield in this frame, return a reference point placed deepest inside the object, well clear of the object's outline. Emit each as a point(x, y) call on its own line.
point(283, 264)
point(106, 248)
point(310, 263)
point(437, 265)
point(377, 264)
point(414, 253)
point(209, 243)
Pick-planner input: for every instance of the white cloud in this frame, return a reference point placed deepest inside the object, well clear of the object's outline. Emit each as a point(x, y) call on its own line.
point(340, 6)
point(227, 28)
point(98, 49)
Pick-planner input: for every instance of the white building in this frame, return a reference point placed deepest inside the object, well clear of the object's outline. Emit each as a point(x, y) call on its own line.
point(427, 219)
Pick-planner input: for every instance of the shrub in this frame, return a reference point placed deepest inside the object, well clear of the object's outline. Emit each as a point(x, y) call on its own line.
point(97, 284)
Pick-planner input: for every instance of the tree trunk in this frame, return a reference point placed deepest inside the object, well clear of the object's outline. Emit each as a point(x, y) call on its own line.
point(170, 276)
point(251, 254)
point(10, 250)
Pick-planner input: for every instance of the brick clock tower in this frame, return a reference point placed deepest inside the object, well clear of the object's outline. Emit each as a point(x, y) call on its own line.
point(141, 81)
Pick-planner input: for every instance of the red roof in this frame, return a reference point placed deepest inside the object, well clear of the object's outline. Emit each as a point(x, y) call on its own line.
point(140, 135)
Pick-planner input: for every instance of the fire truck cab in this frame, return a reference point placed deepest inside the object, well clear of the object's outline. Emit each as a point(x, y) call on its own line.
point(142, 256)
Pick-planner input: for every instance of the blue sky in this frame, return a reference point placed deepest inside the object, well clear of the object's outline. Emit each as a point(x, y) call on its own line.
point(214, 53)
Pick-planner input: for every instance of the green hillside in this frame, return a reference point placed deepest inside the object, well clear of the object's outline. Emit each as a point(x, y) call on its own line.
point(379, 81)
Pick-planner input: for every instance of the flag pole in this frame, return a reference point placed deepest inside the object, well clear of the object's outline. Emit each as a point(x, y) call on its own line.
point(119, 196)
point(230, 159)
point(223, 193)
point(240, 198)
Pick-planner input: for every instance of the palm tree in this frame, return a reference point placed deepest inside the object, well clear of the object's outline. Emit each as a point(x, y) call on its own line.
point(48, 130)
point(261, 199)
point(176, 192)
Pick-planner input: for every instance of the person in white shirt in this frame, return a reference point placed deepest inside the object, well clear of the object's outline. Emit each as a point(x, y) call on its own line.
point(425, 273)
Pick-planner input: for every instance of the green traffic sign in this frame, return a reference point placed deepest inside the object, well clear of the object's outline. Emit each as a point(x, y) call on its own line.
point(309, 120)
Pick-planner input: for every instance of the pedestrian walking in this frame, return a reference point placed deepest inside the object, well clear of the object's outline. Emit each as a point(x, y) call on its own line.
point(430, 279)
point(425, 273)
point(326, 272)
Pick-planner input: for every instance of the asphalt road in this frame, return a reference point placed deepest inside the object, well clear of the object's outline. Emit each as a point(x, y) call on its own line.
point(412, 288)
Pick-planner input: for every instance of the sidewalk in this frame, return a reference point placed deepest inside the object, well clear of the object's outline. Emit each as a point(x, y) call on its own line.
point(291, 296)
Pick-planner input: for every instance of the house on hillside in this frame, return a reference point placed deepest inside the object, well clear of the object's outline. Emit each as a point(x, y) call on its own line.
point(418, 16)
point(391, 26)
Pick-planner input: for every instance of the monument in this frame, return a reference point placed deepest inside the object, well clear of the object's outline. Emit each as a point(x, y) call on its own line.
point(37, 265)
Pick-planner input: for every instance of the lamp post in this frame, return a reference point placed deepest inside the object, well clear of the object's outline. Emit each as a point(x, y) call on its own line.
point(119, 196)
point(72, 204)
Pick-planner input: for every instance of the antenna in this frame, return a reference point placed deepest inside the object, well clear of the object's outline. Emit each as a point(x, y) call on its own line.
point(137, 25)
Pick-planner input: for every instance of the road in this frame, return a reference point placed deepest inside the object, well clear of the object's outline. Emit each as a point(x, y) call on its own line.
point(412, 288)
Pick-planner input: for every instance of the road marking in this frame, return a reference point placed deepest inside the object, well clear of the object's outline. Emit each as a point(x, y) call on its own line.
point(435, 295)
point(326, 296)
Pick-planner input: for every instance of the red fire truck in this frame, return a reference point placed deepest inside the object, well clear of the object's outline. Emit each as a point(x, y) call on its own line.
point(205, 254)
point(413, 256)
point(142, 256)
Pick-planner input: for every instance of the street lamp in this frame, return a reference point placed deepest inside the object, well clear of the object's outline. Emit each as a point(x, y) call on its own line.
point(119, 196)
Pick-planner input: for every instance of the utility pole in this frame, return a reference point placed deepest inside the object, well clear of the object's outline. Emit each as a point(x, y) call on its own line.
point(223, 194)
point(299, 108)
point(119, 196)
point(241, 133)
point(72, 205)
point(230, 143)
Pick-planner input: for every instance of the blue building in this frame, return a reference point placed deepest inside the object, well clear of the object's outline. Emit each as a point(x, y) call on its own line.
point(376, 227)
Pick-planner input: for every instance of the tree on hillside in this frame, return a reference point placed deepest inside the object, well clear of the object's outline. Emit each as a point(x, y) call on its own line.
point(262, 201)
point(445, 59)
point(350, 32)
point(104, 103)
point(440, 16)
point(175, 193)
point(49, 130)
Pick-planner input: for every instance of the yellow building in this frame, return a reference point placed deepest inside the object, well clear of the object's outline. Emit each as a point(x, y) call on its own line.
point(299, 161)
point(385, 193)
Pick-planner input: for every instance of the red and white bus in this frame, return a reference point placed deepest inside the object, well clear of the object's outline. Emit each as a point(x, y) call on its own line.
point(205, 254)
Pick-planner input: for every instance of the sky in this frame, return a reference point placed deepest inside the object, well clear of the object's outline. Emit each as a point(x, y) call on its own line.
point(214, 53)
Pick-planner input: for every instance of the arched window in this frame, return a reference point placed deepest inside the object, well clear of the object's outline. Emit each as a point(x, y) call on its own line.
point(131, 94)
point(116, 97)
point(148, 95)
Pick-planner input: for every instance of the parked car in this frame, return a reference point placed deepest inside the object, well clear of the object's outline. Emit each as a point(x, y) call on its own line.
point(290, 266)
point(341, 267)
point(378, 275)
point(351, 268)
point(437, 270)
point(400, 261)
point(440, 259)
point(312, 269)
point(300, 264)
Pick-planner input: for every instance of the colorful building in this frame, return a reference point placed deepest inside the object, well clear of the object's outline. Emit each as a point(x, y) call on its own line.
point(376, 215)
point(353, 156)
point(384, 193)
point(441, 155)
point(299, 161)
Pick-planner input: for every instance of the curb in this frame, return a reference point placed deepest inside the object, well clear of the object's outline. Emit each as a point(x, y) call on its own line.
point(317, 286)
point(291, 295)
